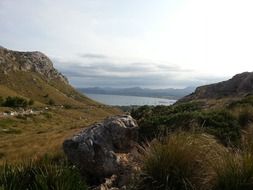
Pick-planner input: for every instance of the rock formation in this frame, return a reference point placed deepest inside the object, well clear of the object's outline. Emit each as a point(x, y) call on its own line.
point(103, 150)
point(28, 61)
point(239, 85)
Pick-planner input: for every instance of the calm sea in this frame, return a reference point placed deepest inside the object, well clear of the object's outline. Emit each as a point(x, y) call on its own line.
point(118, 100)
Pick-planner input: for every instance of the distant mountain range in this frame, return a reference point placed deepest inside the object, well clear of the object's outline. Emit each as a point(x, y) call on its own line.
point(169, 93)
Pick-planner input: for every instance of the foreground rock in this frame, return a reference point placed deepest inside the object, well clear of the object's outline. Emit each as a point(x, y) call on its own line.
point(102, 151)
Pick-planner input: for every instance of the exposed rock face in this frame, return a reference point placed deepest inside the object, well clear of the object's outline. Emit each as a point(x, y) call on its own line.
point(239, 85)
point(28, 61)
point(102, 149)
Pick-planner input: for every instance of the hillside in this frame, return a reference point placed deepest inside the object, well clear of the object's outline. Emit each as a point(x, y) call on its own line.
point(58, 110)
point(32, 75)
point(239, 86)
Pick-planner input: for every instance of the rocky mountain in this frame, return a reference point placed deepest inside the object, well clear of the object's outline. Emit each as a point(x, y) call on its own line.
point(238, 86)
point(28, 61)
point(32, 75)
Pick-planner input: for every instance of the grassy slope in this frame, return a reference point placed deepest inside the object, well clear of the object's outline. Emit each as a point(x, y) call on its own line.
point(33, 86)
point(33, 136)
point(37, 135)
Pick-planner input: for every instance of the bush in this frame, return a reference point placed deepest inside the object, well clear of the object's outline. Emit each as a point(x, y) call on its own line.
point(180, 162)
point(246, 101)
point(31, 102)
point(67, 106)
point(40, 175)
point(162, 120)
point(245, 116)
point(15, 102)
point(1, 100)
point(222, 124)
point(51, 102)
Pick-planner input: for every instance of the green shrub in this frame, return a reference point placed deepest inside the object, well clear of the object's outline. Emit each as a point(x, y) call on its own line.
point(67, 106)
point(157, 121)
point(51, 102)
point(181, 162)
point(40, 175)
point(15, 102)
point(1, 100)
point(246, 101)
point(30, 102)
point(141, 112)
point(245, 116)
point(222, 124)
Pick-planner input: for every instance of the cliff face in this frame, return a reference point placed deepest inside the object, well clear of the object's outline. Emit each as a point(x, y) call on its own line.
point(28, 61)
point(239, 85)
point(32, 75)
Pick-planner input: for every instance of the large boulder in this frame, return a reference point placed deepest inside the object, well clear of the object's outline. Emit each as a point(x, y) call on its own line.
point(96, 150)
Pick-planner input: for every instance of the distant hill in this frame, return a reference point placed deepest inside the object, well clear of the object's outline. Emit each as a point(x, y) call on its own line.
point(32, 75)
point(239, 86)
point(170, 93)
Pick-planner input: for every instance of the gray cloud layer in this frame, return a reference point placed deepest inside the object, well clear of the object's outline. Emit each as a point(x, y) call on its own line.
point(101, 70)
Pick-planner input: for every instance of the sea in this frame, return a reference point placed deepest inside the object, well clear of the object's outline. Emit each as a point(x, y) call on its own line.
point(119, 100)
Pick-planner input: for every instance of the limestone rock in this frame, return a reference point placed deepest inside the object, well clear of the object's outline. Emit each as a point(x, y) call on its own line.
point(28, 61)
point(97, 150)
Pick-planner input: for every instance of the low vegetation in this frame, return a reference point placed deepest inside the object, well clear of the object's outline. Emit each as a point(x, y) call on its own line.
point(22, 136)
point(15, 102)
point(226, 124)
point(186, 146)
point(193, 161)
point(48, 173)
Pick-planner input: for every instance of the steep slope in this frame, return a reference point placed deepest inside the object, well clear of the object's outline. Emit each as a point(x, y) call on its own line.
point(32, 75)
point(40, 129)
point(238, 86)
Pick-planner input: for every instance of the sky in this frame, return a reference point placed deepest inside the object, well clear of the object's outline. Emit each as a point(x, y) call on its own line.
point(126, 43)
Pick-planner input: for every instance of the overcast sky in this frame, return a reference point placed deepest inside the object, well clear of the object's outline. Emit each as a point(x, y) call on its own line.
point(123, 43)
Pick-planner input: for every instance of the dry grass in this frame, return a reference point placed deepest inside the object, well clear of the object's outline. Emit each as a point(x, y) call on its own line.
point(33, 86)
point(44, 133)
point(183, 161)
point(187, 161)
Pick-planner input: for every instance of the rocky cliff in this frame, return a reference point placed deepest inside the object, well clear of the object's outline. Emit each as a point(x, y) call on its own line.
point(28, 61)
point(238, 86)
point(33, 76)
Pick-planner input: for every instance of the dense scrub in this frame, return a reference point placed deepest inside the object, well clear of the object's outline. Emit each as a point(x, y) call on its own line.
point(15, 102)
point(223, 123)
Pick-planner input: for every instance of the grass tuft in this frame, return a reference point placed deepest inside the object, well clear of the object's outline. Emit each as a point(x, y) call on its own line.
point(180, 162)
point(45, 174)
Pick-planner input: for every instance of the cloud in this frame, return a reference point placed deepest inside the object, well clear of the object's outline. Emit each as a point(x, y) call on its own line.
point(109, 72)
point(93, 56)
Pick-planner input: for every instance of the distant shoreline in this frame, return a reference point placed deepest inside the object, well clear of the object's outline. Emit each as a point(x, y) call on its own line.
point(160, 97)
point(125, 100)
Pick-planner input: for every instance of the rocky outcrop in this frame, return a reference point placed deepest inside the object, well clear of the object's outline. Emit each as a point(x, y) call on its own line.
point(28, 61)
point(239, 85)
point(104, 149)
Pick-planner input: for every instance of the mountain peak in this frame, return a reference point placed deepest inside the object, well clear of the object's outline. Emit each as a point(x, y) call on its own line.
point(28, 62)
point(239, 85)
